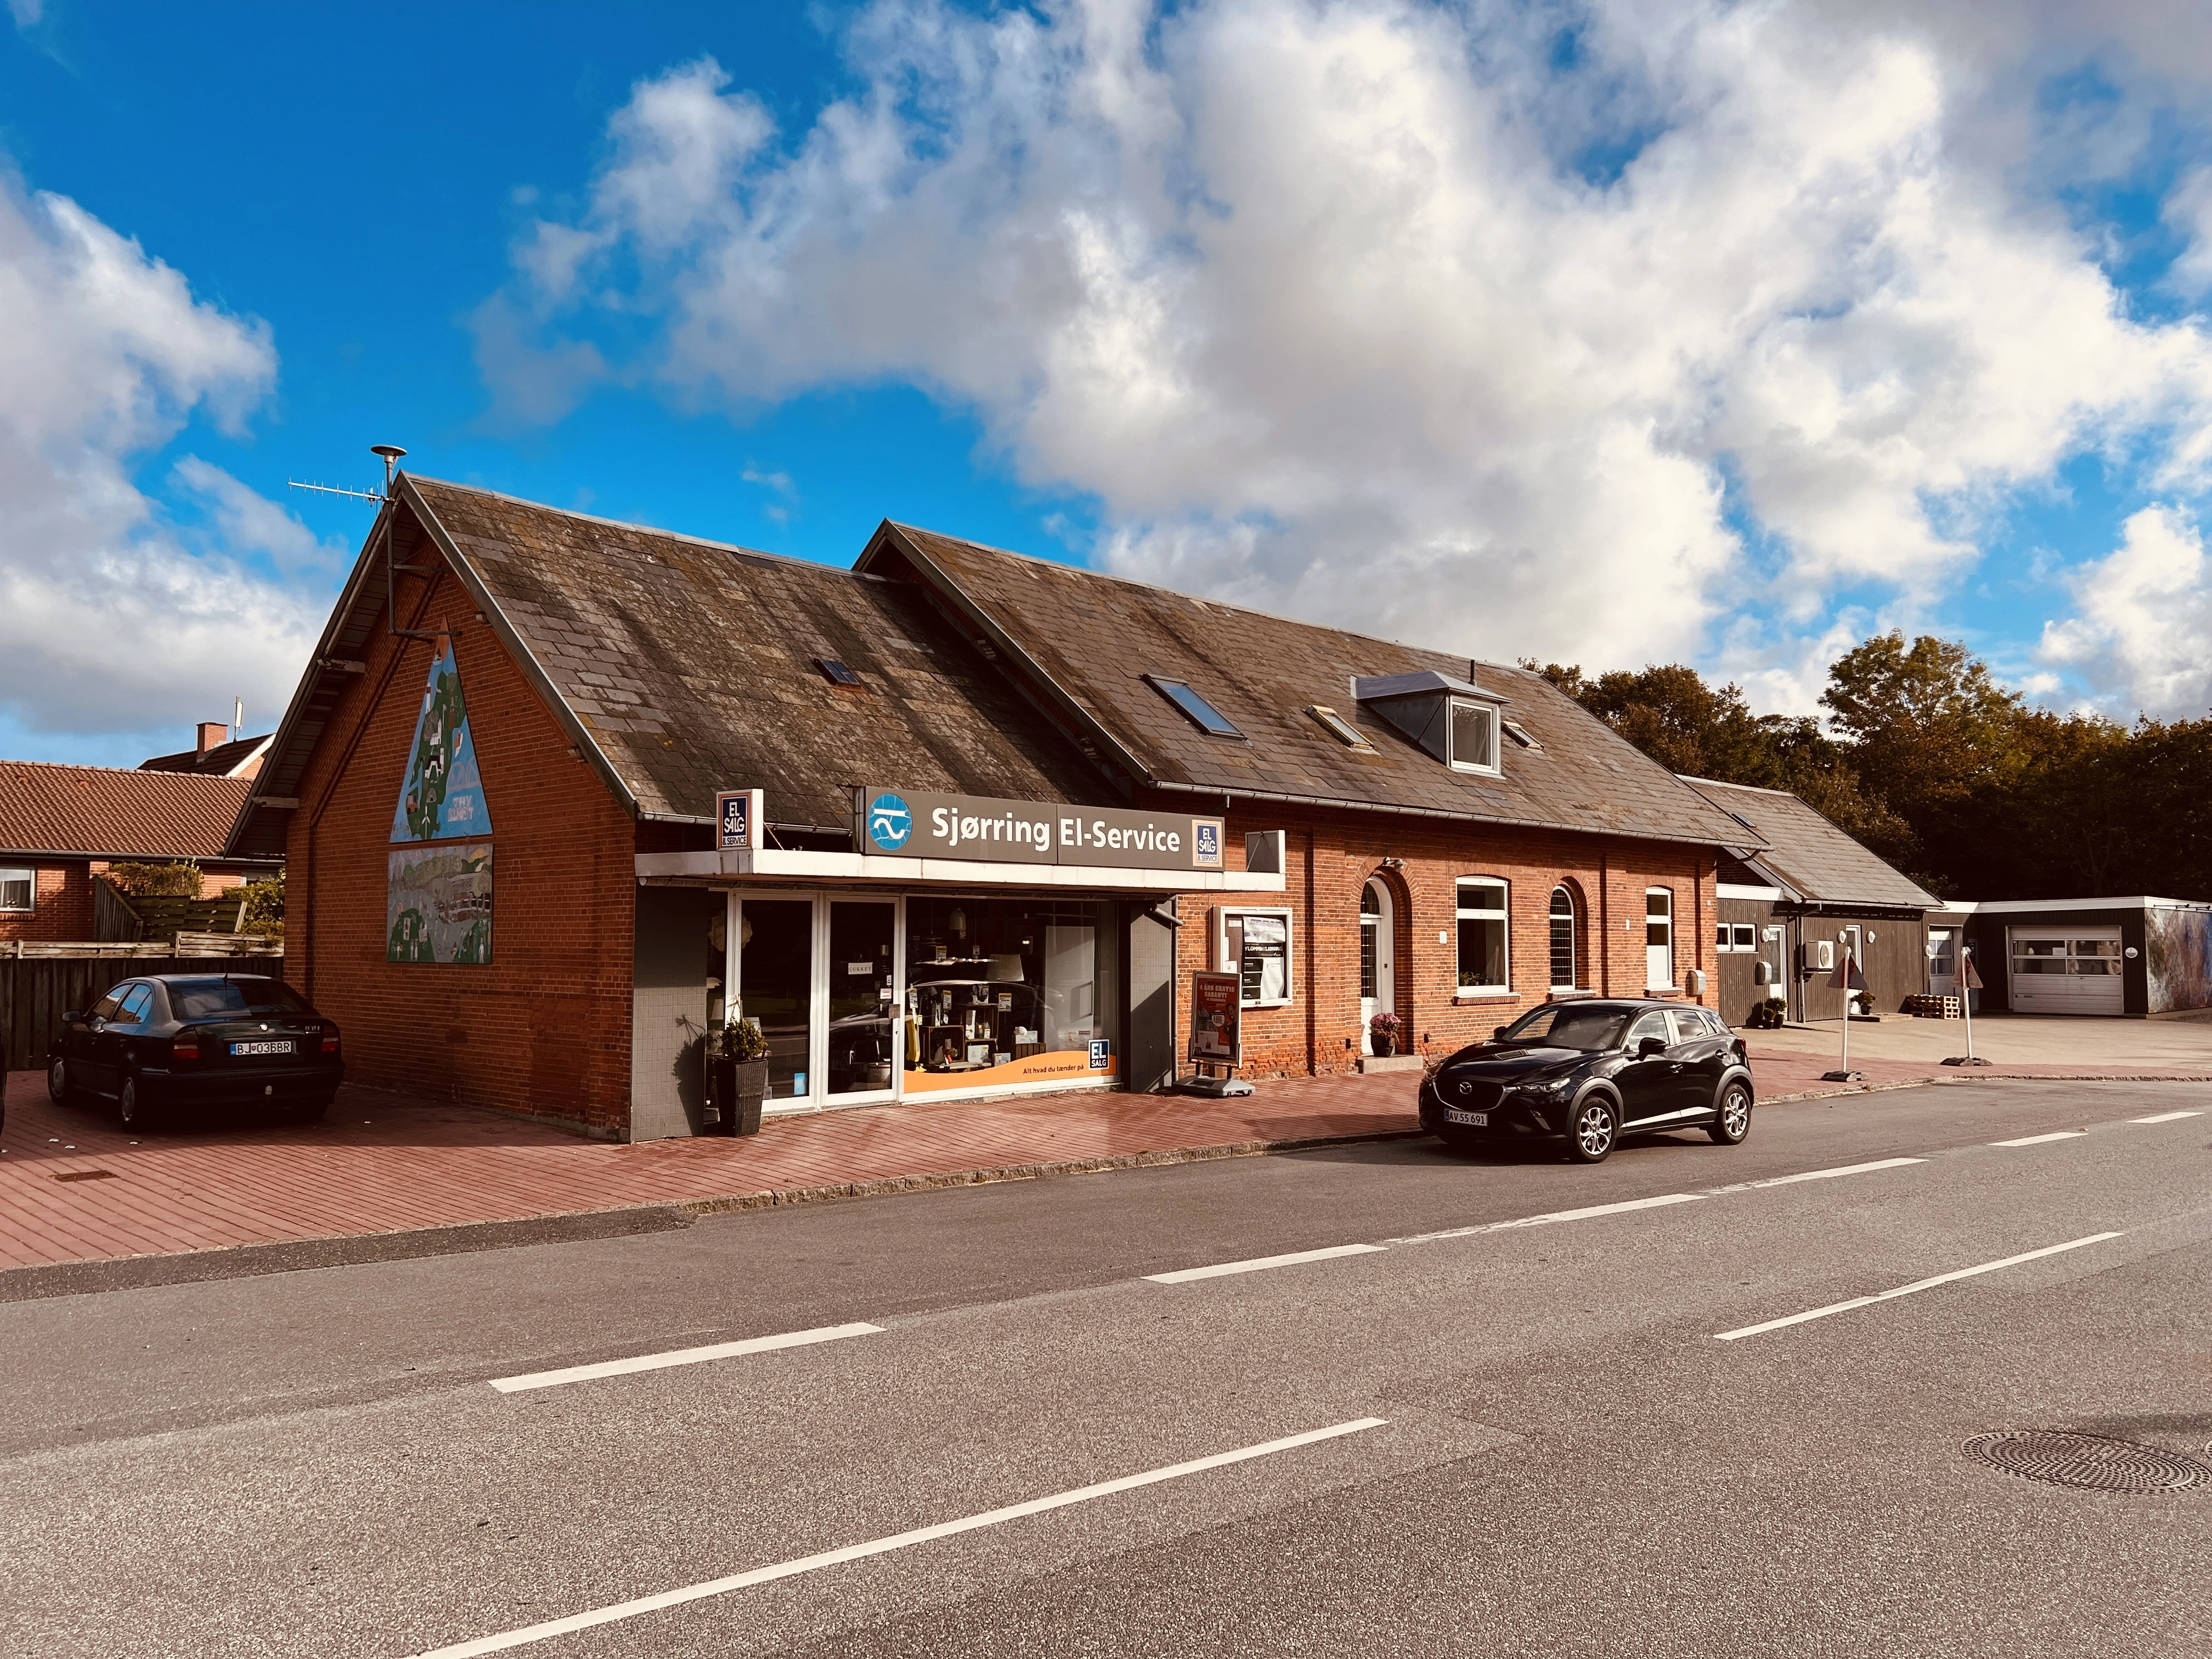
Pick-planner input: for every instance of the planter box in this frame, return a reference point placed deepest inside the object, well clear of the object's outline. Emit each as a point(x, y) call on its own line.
point(1391, 1062)
point(735, 1090)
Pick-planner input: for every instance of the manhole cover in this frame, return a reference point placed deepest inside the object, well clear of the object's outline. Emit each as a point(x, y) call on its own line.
point(2089, 1462)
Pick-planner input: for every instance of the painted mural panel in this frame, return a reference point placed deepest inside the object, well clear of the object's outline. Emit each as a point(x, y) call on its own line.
point(2178, 948)
point(443, 797)
point(438, 904)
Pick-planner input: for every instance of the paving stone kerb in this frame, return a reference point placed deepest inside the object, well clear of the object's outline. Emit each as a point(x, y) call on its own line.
point(388, 1176)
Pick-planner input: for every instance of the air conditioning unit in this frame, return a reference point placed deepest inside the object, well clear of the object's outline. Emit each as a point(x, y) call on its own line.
point(1820, 955)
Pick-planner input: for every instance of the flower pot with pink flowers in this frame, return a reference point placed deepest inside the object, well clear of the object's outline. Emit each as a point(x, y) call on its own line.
point(1383, 1032)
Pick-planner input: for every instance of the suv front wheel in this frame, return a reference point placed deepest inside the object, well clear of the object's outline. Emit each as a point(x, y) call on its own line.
point(1596, 1127)
point(1734, 1122)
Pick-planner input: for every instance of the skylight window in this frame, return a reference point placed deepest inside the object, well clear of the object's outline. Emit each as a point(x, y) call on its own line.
point(1519, 733)
point(1201, 713)
point(837, 674)
point(1338, 727)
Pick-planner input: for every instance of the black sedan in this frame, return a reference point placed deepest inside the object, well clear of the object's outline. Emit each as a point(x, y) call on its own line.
point(1587, 1073)
point(161, 1045)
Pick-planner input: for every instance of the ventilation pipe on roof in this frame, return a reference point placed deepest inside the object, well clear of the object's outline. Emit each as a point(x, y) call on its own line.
point(391, 454)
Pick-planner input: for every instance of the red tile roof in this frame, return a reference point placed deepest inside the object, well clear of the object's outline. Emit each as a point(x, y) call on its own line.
point(109, 813)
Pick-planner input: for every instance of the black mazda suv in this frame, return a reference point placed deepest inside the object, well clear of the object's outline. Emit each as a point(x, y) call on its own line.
point(1588, 1072)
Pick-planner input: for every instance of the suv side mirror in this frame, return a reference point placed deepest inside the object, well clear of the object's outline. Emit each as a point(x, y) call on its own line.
point(1499, 1034)
point(1650, 1046)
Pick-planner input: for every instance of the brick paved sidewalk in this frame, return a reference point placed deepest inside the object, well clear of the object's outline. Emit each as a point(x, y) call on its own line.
point(75, 1189)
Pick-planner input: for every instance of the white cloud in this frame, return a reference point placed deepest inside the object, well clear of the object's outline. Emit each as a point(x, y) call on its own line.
point(246, 522)
point(26, 13)
point(2189, 211)
point(1327, 307)
point(108, 620)
point(2143, 616)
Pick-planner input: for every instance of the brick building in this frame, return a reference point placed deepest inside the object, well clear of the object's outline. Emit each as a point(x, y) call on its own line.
point(954, 821)
point(61, 827)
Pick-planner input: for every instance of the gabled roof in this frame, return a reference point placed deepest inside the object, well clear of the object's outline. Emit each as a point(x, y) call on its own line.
point(104, 813)
point(1087, 640)
point(225, 760)
point(681, 667)
point(1806, 855)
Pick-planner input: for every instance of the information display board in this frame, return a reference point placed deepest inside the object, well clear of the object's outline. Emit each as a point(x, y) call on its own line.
point(1216, 1029)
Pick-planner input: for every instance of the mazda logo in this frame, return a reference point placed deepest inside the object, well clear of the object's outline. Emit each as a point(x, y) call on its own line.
point(1466, 1088)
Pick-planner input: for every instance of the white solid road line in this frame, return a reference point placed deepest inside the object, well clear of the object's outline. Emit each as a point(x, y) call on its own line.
point(620, 1610)
point(1259, 1263)
point(1552, 1216)
point(654, 1362)
point(2038, 1140)
point(1830, 1174)
point(1907, 1290)
point(2165, 1117)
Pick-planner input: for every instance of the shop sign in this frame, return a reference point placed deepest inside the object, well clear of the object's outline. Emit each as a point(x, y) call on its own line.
point(1216, 1030)
point(919, 823)
point(738, 819)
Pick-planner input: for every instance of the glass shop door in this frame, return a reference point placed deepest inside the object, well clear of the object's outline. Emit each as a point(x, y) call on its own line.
point(820, 976)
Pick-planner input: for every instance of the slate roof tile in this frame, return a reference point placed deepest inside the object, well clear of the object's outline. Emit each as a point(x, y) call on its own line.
point(1810, 853)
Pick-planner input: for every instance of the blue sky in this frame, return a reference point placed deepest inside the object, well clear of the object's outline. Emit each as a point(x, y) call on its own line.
point(1662, 347)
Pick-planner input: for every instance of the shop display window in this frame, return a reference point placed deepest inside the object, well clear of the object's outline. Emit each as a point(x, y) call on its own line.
point(1003, 990)
point(1255, 947)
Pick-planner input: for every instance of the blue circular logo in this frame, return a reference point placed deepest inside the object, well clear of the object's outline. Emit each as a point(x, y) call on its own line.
point(890, 822)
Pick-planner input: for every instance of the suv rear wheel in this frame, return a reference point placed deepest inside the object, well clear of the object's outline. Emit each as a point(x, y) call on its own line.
point(1734, 1122)
point(1594, 1128)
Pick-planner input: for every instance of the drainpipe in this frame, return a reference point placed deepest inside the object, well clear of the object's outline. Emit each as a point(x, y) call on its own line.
point(1313, 984)
point(1604, 928)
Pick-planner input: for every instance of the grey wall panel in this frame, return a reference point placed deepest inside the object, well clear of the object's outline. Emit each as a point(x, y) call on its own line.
point(1148, 1035)
point(669, 995)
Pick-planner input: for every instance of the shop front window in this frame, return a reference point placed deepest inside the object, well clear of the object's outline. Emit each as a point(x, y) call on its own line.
point(1003, 992)
point(775, 959)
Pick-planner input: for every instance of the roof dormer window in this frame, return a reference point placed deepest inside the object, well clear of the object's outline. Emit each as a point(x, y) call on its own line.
point(1339, 728)
point(1474, 737)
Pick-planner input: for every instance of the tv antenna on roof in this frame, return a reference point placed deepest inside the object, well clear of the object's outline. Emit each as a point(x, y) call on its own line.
point(389, 454)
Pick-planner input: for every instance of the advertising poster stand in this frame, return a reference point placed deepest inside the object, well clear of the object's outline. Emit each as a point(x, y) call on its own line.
point(1216, 1036)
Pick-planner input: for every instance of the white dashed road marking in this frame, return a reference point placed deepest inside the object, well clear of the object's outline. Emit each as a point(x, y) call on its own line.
point(1907, 1290)
point(1260, 1263)
point(644, 1604)
point(2165, 1117)
point(2038, 1140)
point(655, 1362)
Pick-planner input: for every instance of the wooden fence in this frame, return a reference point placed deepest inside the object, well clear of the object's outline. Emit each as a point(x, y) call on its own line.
point(36, 991)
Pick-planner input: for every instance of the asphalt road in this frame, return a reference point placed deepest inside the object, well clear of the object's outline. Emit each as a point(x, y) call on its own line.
point(1539, 1445)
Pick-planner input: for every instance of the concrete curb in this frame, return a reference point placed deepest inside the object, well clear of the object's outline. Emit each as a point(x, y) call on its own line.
point(133, 1273)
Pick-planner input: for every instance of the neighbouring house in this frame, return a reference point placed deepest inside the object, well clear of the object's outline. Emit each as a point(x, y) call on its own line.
point(953, 822)
point(1788, 911)
point(61, 827)
point(2135, 956)
point(216, 753)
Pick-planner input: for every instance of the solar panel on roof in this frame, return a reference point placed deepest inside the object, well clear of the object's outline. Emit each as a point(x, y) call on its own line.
point(836, 673)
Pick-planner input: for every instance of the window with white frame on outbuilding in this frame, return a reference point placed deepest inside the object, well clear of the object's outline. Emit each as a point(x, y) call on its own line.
point(1254, 945)
point(1484, 945)
point(19, 889)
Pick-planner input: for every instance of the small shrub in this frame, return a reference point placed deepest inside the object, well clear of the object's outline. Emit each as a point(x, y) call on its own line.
point(742, 1040)
point(264, 908)
point(179, 879)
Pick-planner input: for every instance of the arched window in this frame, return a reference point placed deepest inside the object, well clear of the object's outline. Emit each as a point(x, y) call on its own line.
point(1659, 937)
point(1563, 939)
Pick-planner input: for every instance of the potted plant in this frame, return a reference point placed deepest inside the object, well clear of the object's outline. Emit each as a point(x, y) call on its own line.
point(1769, 1015)
point(737, 1078)
point(1383, 1029)
point(1862, 1006)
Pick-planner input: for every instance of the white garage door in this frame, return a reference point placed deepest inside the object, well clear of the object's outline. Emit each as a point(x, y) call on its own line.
point(2074, 971)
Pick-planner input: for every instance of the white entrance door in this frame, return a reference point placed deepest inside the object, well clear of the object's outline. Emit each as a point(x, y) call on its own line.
point(1378, 977)
point(2070, 970)
point(1775, 951)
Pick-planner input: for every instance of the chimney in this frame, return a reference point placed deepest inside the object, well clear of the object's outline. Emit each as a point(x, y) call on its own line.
point(211, 733)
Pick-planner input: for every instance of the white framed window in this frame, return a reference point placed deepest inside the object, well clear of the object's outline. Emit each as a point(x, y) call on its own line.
point(1474, 737)
point(1659, 939)
point(1254, 945)
point(1736, 936)
point(1484, 943)
point(1563, 939)
point(19, 890)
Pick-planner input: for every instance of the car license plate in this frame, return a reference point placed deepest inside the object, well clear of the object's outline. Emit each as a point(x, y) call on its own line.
point(261, 1048)
point(1479, 1120)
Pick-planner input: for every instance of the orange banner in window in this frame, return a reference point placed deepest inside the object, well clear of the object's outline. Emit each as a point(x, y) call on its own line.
point(1061, 1065)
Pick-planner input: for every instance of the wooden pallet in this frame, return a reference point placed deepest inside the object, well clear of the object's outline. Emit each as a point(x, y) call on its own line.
point(1932, 1007)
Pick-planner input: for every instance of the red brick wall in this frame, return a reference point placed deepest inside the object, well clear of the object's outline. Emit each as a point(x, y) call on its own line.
point(543, 1029)
point(1319, 1031)
point(63, 909)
